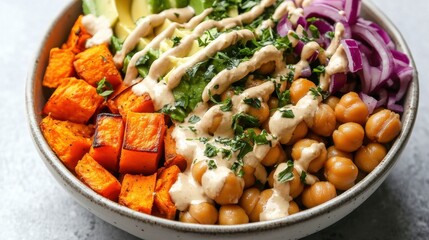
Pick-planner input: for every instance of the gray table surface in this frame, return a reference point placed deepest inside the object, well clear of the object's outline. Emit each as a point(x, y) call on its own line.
point(34, 206)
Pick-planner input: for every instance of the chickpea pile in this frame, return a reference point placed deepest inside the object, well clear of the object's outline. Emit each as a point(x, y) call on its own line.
point(354, 143)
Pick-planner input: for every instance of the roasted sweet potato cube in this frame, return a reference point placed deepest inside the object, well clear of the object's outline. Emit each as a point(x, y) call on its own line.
point(60, 66)
point(77, 38)
point(143, 143)
point(128, 101)
point(96, 63)
point(74, 100)
point(171, 156)
point(163, 205)
point(70, 141)
point(107, 144)
point(137, 192)
point(98, 178)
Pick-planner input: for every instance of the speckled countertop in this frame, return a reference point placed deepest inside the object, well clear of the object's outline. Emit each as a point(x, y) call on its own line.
point(34, 206)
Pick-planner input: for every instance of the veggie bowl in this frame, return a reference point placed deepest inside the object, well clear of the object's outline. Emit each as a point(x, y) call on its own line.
point(235, 105)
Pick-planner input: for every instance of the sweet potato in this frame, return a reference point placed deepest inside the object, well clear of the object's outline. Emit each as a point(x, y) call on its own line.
point(109, 132)
point(77, 38)
point(163, 205)
point(70, 141)
point(60, 66)
point(98, 178)
point(171, 156)
point(143, 143)
point(96, 63)
point(74, 100)
point(137, 192)
point(127, 101)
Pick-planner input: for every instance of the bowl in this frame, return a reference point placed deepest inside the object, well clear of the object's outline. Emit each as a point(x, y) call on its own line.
point(149, 227)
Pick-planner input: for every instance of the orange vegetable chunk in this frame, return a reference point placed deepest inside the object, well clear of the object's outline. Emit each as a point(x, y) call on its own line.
point(77, 38)
point(60, 66)
point(137, 192)
point(107, 144)
point(74, 100)
point(96, 63)
point(127, 101)
point(70, 141)
point(163, 205)
point(143, 143)
point(98, 178)
point(171, 156)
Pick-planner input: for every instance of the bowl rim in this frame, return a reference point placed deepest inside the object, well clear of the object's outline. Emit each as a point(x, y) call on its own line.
point(52, 161)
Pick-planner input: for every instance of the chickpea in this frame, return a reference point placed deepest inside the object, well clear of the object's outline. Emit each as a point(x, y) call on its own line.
point(299, 133)
point(187, 217)
point(369, 156)
point(348, 137)
point(262, 114)
point(295, 185)
point(248, 177)
point(274, 156)
point(351, 109)
point(332, 101)
point(314, 136)
point(300, 88)
point(383, 126)
point(318, 193)
point(317, 163)
point(249, 199)
point(231, 190)
point(260, 205)
point(204, 213)
point(232, 215)
point(334, 152)
point(217, 119)
point(253, 82)
point(293, 208)
point(198, 170)
point(273, 103)
point(324, 121)
point(267, 68)
point(341, 172)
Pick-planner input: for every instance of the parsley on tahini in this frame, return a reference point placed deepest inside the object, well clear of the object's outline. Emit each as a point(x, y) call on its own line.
point(210, 150)
point(303, 177)
point(253, 102)
point(287, 113)
point(176, 41)
point(194, 119)
point(211, 164)
point(104, 88)
point(287, 174)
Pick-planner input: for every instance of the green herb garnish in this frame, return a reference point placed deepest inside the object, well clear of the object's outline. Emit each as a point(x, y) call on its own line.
point(287, 113)
point(287, 174)
point(210, 150)
point(104, 88)
point(253, 102)
point(211, 164)
point(194, 119)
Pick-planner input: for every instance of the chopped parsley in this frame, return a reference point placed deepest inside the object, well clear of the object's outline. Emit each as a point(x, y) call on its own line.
point(287, 113)
point(104, 88)
point(314, 31)
point(319, 70)
point(318, 92)
point(211, 164)
point(237, 168)
point(330, 35)
point(226, 105)
point(176, 41)
point(253, 102)
point(240, 121)
point(287, 174)
point(303, 177)
point(194, 119)
point(210, 150)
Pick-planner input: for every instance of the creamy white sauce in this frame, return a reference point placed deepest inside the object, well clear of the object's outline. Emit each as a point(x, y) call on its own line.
point(186, 190)
point(308, 154)
point(99, 28)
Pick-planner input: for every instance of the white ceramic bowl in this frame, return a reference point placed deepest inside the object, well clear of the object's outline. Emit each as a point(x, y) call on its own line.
point(150, 227)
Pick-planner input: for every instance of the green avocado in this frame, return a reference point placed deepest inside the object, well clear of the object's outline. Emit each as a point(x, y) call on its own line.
point(178, 3)
point(158, 6)
point(200, 5)
point(106, 8)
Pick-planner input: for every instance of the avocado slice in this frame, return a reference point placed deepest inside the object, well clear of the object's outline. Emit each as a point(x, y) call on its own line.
point(124, 11)
point(106, 8)
point(139, 9)
point(200, 5)
point(158, 6)
point(178, 3)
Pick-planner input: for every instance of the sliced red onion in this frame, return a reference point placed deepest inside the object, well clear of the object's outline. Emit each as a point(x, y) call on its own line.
point(382, 95)
point(354, 55)
point(400, 56)
point(378, 45)
point(306, 72)
point(323, 26)
point(284, 26)
point(383, 34)
point(370, 102)
point(376, 80)
point(337, 82)
point(365, 76)
point(298, 48)
point(391, 104)
point(301, 21)
point(338, 4)
point(323, 11)
point(352, 10)
point(405, 77)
